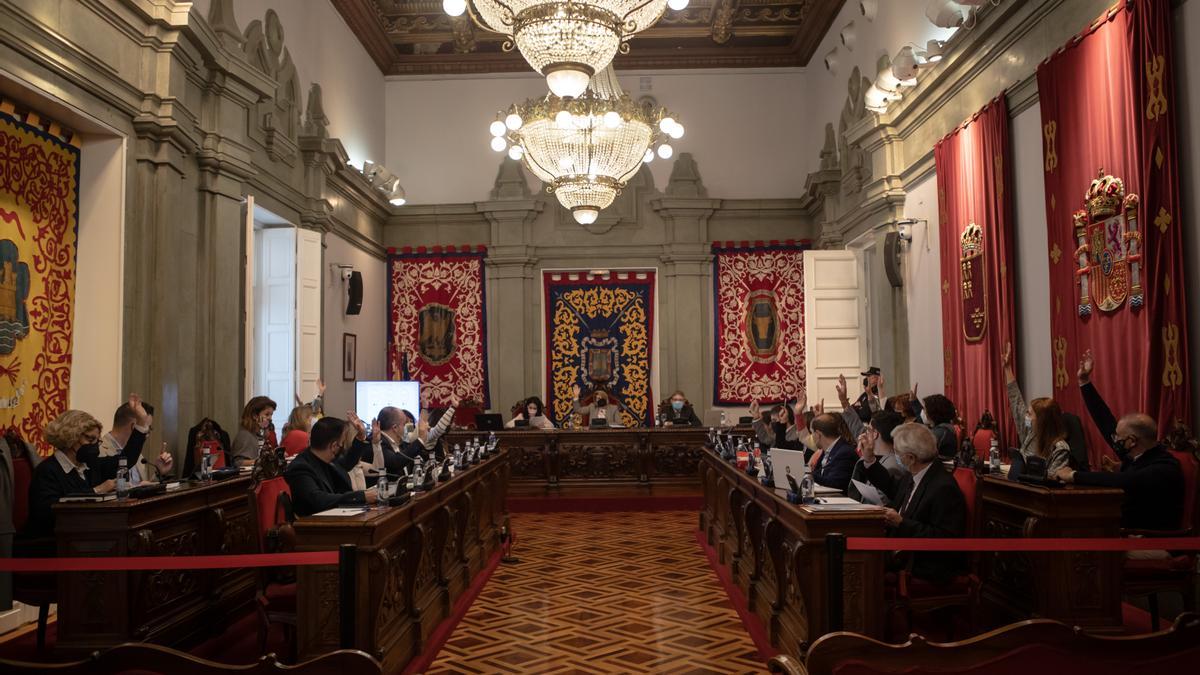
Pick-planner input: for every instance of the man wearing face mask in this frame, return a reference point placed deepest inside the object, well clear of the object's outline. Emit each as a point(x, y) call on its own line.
point(879, 465)
point(871, 400)
point(838, 457)
point(392, 434)
point(318, 477)
point(930, 505)
point(599, 409)
point(679, 412)
point(1151, 478)
point(76, 466)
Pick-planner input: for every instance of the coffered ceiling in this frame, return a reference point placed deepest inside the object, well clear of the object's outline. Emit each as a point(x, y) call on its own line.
point(408, 37)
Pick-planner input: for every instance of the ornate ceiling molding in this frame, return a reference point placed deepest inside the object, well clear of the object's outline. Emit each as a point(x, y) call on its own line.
point(415, 37)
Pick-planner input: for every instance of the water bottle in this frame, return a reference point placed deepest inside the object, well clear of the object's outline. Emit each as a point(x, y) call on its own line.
point(994, 456)
point(806, 489)
point(206, 464)
point(382, 486)
point(417, 463)
point(491, 442)
point(122, 479)
point(724, 419)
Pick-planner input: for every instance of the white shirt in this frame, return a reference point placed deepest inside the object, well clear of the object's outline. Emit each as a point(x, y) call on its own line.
point(916, 482)
point(68, 467)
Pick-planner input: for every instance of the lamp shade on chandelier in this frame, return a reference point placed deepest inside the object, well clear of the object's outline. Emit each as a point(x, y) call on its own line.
point(586, 148)
point(568, 41)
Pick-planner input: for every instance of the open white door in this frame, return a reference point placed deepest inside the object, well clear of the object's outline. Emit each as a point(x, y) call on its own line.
point(275, 339)
point(308, 313)
point(834, 320)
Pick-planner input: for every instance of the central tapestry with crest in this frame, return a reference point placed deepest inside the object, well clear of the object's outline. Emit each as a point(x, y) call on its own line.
point(599, 330)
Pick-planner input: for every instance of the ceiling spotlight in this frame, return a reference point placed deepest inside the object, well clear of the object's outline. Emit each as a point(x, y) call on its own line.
point(869, 8)
point(848, 36)
point(945, 13)
point(935, 50)
point(396, 196)
point(905, 66)
point(831, 60)
point(876, 99)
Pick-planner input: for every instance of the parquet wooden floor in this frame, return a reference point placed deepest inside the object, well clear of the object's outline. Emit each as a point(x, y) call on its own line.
point(602, 593)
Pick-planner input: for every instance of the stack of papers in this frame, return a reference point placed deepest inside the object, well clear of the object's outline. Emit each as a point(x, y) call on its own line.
point(340, 512)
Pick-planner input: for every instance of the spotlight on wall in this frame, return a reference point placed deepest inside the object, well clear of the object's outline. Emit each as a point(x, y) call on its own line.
point(385, 182)
point(934, 51)
point(831, 61)
point(904, 229)
point(946, 13)
point(848, 36)
point(869, 8)
point(904, 66)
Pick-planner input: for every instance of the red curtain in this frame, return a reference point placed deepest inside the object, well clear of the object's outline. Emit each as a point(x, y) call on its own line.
point(976, 240)
point(1108, 105)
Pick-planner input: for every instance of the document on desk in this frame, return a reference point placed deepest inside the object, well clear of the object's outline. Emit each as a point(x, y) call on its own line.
point(869, 494)
point(824, 490)
point(340, 512)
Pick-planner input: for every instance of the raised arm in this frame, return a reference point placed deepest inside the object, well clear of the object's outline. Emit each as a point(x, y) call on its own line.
point(853, 420)
point(1099, 411)
point(1016, 400)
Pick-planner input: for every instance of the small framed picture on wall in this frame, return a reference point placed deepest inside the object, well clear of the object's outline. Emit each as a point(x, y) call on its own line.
point(349, 357)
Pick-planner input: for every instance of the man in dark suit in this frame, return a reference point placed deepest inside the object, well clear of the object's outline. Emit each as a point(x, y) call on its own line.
point(317, 477)
point(931, 505)
point(394, 441)
point(1151, 478)
point(838, 456)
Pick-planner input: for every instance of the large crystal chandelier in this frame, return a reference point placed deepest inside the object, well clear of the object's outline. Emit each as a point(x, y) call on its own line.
point(568, 41)
point(586, 148)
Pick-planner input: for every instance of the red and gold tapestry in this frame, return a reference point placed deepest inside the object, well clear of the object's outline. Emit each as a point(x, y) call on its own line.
point(599, 336)
point(975, 221)
point(1116, 227)
point(39, 202)
point(438, 328)
point(758, 298)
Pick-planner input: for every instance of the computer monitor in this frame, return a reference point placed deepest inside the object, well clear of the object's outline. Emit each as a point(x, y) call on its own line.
point(371, 397)
point(488, 422)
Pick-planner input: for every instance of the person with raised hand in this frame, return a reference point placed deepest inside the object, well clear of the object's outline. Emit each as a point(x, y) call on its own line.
point(1041, 428)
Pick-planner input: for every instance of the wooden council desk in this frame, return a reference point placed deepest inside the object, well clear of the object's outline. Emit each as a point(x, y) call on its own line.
point(102, 609)
point(413, 562)
point(776, 553)
point(1078, 588)
point(576, 461)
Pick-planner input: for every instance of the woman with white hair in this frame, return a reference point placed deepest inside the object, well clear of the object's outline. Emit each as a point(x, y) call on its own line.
point(931, 505)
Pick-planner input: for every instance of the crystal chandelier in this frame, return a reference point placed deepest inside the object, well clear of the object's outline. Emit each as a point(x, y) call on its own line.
point(568, 41)
point(586, 148)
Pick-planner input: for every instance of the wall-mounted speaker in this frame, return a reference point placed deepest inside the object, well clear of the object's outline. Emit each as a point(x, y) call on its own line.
point(354, 305)
point(891, 259)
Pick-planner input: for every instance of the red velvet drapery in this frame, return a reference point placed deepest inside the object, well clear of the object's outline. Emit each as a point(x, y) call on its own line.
point(975, 214)
point(1108, 103)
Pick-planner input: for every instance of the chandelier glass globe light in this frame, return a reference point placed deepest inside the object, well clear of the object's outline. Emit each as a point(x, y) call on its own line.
point(586, 148)
point(568, 41)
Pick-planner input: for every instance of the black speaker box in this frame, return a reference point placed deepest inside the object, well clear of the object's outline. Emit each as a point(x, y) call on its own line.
point(354, 305)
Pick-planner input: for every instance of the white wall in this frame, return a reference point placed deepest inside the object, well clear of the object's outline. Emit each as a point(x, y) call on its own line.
point(897, 23)
point(325, 51)
point(370, 326)
point(746, 128)
point(100, 265)
point(922, 290)
point(1187, 107)
point(1033, 264)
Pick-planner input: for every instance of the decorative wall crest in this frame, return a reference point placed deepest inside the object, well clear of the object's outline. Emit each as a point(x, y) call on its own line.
point(279, 118)
point(852, 158)
point(685, 178)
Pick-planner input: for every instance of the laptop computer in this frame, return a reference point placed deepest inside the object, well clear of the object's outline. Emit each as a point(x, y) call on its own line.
point(489, 422)
point(786, 463)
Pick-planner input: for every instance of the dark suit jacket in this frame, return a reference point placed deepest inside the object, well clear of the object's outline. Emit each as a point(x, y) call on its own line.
point(836, 466)
point(684, 418)
point(937, 509)
point(318, 485)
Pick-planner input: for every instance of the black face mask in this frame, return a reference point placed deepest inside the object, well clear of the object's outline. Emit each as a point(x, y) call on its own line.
point(779, 428)
point(602, 402)
point(87, 454)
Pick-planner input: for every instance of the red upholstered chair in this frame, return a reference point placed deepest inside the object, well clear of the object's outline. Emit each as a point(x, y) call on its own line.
point(464, 414)
point(35, 590)
point(275, 599)
point(1177, 573)
point(982, 442)
point(914, 598)
point(214, 450)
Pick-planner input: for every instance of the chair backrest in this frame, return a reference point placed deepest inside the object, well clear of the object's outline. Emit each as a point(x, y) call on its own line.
point(1039, 645)
point(269, 504)
point(1191, 471)
point(464, 416)
point(1077, 440)
point(967, 482)
point(214, 451)
point(150, 658)
point(294, 442)
point(982, 441)
point(22, 477)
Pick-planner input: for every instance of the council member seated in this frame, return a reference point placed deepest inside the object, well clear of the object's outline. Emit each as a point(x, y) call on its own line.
point(129, 433)
point(533, 412)
point(938, 413)
point(599, 409)
point(295, 432)
point(678, 412)
point(871, 400)
point(930, 505)
point(782, 431)
point(318, 477)
point(1041, 428)
point(1151, 478)
point(879, 466)
point(393, 441)
point(432, 428)
point(837, 456)
point(76, 466)
point(251, 437)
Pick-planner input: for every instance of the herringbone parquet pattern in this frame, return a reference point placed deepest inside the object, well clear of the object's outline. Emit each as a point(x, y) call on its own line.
point(602, 593)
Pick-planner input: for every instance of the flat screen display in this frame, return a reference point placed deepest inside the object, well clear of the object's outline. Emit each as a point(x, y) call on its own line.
point(371, 397)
